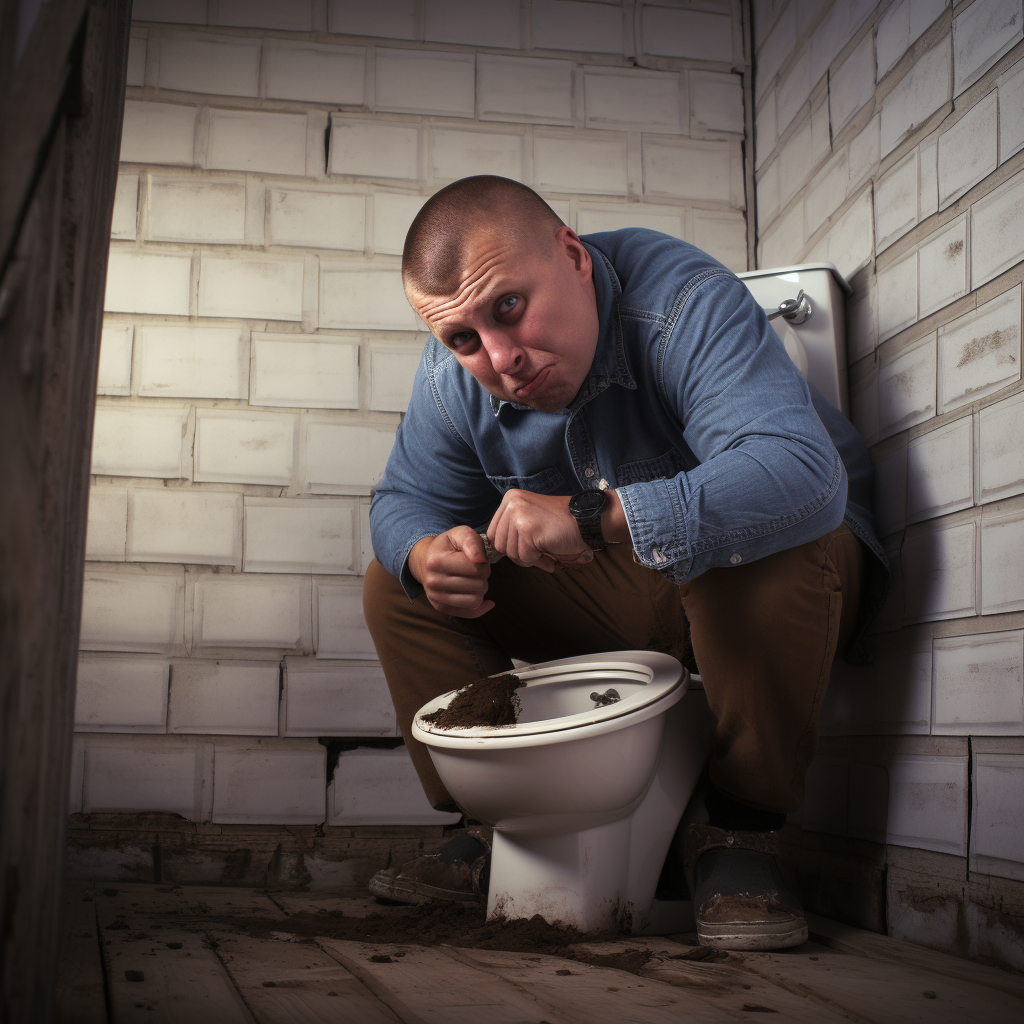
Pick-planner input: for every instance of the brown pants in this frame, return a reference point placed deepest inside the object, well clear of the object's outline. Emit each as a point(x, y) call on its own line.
point(764, 635)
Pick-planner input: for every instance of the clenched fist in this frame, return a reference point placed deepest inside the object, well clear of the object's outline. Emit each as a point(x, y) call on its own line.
point(537, 530)
point(453, 569)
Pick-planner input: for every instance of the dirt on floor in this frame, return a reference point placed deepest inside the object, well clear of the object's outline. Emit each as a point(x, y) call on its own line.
point(491, 701)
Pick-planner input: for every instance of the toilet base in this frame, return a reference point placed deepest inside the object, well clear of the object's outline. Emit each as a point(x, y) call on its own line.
point(604, 878)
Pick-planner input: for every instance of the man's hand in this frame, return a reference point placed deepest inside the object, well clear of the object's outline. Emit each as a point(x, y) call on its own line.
point(453, 569)
point(538, 530)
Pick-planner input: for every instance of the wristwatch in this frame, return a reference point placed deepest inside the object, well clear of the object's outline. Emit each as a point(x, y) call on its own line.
point(586, 508)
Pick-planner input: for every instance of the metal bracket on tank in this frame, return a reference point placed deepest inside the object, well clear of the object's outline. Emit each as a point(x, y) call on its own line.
point(796, 311)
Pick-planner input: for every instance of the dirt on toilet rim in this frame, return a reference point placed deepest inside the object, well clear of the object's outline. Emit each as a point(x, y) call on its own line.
point(487, 702)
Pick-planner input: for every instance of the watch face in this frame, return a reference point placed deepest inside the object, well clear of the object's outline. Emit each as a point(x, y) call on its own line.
point(587, 503)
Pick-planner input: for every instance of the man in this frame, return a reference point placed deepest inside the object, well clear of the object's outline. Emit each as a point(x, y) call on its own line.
point(618, 404)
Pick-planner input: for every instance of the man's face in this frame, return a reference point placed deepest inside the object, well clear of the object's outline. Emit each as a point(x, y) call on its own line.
point(523, 318)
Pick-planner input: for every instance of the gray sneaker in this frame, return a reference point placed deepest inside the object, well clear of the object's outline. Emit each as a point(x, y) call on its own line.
point(458, 872)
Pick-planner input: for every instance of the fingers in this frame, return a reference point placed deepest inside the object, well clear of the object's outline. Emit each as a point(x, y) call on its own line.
point(456, 574)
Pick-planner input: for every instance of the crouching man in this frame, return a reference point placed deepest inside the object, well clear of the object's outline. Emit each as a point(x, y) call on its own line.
point(619, 403)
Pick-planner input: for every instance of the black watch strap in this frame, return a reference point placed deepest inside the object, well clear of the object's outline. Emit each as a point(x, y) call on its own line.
point(586, 508)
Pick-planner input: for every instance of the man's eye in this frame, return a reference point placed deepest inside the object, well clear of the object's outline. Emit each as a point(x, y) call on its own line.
point(459, 340)
point(508, 304)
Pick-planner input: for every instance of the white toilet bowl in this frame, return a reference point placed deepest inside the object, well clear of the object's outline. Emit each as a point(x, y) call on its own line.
point(584, 799)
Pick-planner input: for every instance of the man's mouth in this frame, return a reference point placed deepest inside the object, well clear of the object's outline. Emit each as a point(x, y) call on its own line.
point(530, 386)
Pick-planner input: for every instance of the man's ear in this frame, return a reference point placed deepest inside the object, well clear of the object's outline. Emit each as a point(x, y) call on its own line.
point(569, 242)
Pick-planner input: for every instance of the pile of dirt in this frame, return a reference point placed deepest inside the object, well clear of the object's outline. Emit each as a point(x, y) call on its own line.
point(490, 702)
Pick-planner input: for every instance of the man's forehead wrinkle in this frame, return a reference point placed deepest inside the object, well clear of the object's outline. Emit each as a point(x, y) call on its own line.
point(474, 283)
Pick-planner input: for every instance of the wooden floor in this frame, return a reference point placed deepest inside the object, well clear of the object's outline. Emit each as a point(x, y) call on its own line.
point(172, 955)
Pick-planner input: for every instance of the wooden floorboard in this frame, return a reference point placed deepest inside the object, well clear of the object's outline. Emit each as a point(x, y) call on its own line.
point(81, 996)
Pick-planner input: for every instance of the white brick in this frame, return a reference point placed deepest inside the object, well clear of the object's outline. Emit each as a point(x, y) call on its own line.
point(849, 243)
point(294, 16)
point(300, 535)
point(137, 46)
point(157, 133)
point(577, 25)
point(836, 29)
point(979, 685)
point(980, 352)
point(249, 611)
point(225, 66)
point(897, 296)
point(269, 785)
point(768, 194)
point(612, 216)
point(393, 214)
point(365, 535)
point(940, 471)
point(765, 127)
point(382, 150)
point(793, 89)
point(197, 527)
point(997, 826)
point(524, 89)
point(312, 73)
point(782, 243)
point(997, 231)
point(826, 192)
point(896, 201)
point(795, 162)
point(1011, 111)
point(1001, 449)
point(495, 23)
point(862, 321)
point(193, 210)
point(906, 389)
point(968, 151)
point(379, 787)
point(939, 572)
point(929, 176)
point(928, 803)
point(192, 362)
point(224, 697)
point(853, 84)
point(121, 694)
point(345, 459)
point(341, 631)
point(457, 154)
point(138, 442)
point(132, 778)
point(322, 220)
point(723, 236)
point(245, 448)
point(700, 35)
point(775, 49)
point(981, 35)
point(891, 492)
point(126, 206)
point(863, 152)
point(260, 288)
point(689, 169)
point(107, 524)
point(255, 140)
point(392, 372)
point(625, 99)
point(336, 700)
point(564, 163)
point(352, 297)
point(917, 96)
point(146, 283)
point(1002, 583)
point(317, 372)
point(716, 102)
point(943, 267)
point(902, 25)
point(178, 12)
point(425, 82)
point(133, 611)
point(114, 376)
point(394, 19)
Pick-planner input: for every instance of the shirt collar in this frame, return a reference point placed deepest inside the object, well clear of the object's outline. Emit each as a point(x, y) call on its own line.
point(610, 365)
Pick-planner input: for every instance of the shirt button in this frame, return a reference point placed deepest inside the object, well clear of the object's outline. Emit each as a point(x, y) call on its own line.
point(736, 559)
point(588, 472)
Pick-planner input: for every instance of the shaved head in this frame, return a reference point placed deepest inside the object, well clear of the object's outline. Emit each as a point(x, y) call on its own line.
point(438, 242)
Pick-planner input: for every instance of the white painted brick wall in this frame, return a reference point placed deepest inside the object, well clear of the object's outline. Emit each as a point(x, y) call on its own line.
point(623, 99)
point(126, 207)
point(139, 610)
point(849, 242)
point(826, 192)
point(262, 288)
point(237, 446)
point(158, 133)
point(134, 441)
point(228, 698)
point(300, 535)
point(576, 25)
point(524, 89)
point(700, 35)
point(340, 631)
point(997, 826)
point(319, 220)
point(328, 699)
point(891, 492)
point(1001, 449)
point(455, 154)
point(393, 214)
point(853, 83)
point(392, 372)
point(313, 372)
point(577, 163)
point(612, 216)
point(834, 32)
point(353, 297)
point(121, 693)
point(424, 82)
point(900, 26)
point(251, 611)
point(1002, 583)
point(393, 18)
point(906, 388)
point(688, 169)
point(174, 12)
point(192, 362)
point(471, 23)
point(281, 783)
point(896, 201)
point(374, 787)
point(928, 803)
point(943, 267)
point(939, 572)
point(272, 14)
point(1011, 111)
point(982, 33)
point(980, 352)
point(897, 296)
point(223, 65)
point(310, 72)
point(192, 527)
point(114, 376)
point(256, 140)
point(148, 283)
point(940, 471)
point(107, 524)
point(997, 231)
point(380, 150)
point(136, 72)
point(793, 89)
point(124, 776)
point(979, 685)
point(968, 151)
point(345, 459)
point(716, 102)
point(722, 235)
point(917, 96)
point(193, 210)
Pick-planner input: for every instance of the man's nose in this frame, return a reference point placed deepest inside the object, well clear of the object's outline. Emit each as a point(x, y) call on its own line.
point(506, 356)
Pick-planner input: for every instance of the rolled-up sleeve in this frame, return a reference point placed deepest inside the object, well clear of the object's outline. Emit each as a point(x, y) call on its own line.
point(769, 476)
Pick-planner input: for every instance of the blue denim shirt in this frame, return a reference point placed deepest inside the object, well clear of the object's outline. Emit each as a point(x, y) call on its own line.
point(718, 448)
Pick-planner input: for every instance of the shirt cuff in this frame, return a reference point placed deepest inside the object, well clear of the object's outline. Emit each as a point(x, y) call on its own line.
point(657, 523)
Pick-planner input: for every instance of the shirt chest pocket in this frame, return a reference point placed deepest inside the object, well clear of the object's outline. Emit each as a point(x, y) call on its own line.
point(547, 481)
point(660, 468)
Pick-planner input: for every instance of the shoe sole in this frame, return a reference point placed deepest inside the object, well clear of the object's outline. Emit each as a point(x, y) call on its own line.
point(420, 894)
point(753, 937)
